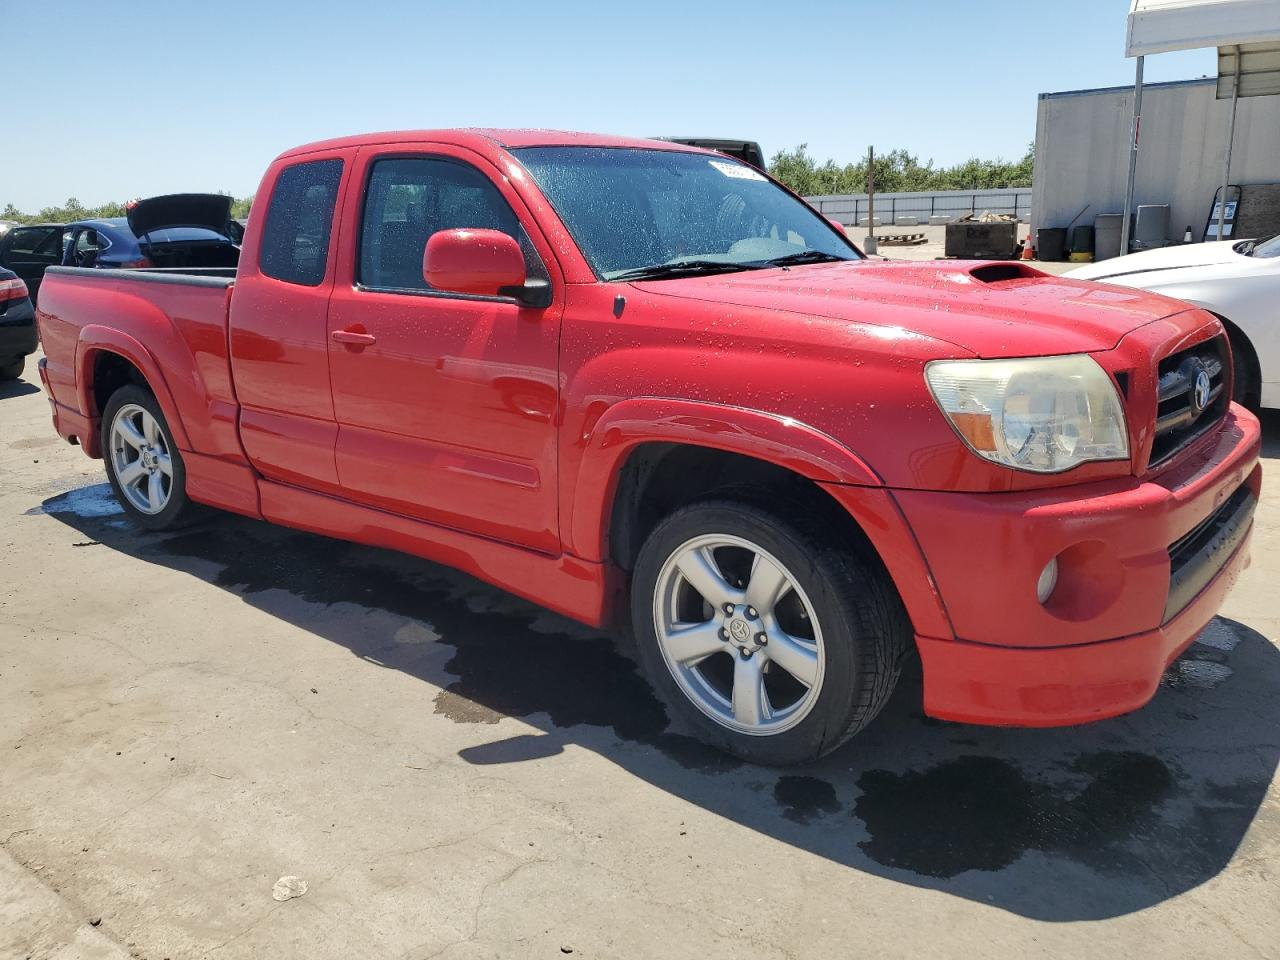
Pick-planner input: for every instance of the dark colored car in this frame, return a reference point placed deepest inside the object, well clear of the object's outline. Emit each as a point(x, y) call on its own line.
point(748, 151)
point(186, 230)
point(29, 249)
point(182, 230)
point(17, 325)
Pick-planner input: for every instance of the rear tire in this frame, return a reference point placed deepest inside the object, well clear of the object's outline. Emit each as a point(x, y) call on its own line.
point(816, 637)
point(13, 369)
point(144, 465)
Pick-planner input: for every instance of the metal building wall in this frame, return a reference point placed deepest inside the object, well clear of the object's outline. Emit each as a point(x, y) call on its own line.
point(1082, 139)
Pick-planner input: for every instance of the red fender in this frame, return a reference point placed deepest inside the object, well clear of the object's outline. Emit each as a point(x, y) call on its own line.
point(587, 501)
point(95, 339)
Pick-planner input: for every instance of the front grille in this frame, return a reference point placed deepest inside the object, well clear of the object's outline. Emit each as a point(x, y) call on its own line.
point(1182, 411)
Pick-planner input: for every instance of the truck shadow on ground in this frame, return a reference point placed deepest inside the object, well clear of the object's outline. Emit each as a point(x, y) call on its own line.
point(1074, 824)
point(17, 388)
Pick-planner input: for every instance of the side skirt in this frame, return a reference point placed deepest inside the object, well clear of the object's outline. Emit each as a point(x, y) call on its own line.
point(576, 588)
point(217, 483)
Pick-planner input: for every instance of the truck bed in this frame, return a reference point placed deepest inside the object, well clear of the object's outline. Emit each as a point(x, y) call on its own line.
point(160, 320)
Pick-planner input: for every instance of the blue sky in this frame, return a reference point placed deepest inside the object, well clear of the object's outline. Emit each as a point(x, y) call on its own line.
point(145, 98)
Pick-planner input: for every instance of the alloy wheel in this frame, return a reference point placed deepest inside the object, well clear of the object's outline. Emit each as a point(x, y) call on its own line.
point(738, 634)
point(140, 458)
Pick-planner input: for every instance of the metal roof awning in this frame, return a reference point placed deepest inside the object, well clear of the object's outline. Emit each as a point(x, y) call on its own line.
point(1247, 35)
point(1259, 74)
point(1161, 26)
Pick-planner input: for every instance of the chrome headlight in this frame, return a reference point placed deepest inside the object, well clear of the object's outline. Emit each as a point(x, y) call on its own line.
point(1043, 414)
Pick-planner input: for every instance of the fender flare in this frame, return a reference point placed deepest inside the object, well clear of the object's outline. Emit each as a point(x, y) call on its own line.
point(782, 441)
point(95, 339)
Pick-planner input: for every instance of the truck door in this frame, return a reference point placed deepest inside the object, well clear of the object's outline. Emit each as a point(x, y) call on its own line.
point(446, 403)
point(279, 333)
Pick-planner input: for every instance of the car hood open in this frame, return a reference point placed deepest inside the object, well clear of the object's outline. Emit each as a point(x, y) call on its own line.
point(1001, 309)
point(209, 210)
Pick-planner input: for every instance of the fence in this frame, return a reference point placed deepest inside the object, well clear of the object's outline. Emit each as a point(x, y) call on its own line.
point(850, 208)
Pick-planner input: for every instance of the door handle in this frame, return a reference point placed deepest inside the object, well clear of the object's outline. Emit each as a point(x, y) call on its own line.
point(353, 338)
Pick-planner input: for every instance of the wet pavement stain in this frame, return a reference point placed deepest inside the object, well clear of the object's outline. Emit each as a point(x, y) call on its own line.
point(970, 802)
point(984, 813)
point(1203, 665)
point(803, 799)
point(504, 667)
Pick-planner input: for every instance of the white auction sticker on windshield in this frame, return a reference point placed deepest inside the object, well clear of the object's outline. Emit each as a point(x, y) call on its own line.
point(736, 170)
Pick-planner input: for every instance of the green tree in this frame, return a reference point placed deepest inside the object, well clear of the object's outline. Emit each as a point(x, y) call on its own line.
point(73, 209)
point(896, 171)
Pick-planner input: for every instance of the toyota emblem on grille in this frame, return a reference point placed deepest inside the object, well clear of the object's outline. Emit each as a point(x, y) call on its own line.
point(1200, 392)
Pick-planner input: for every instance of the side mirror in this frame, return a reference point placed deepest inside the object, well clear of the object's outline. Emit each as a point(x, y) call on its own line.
point(483, 262)
point(838, 225)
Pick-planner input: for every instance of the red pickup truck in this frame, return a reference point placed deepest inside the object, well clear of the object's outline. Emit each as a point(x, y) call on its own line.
point(644, 385)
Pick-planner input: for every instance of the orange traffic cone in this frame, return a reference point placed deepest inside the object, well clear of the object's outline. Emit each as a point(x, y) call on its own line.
point(1028, 251)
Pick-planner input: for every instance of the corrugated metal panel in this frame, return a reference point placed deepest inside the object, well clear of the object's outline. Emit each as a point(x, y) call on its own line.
point(1082, 146)
point(1259, 70)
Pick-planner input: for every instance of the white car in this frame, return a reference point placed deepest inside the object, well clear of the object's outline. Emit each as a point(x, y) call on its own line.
point(1240, 282)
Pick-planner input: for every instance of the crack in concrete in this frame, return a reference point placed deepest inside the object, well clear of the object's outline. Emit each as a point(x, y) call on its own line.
point(480, 904)
point(247, 930)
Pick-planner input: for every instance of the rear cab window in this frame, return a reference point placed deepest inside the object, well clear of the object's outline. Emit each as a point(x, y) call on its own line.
point(299, 222)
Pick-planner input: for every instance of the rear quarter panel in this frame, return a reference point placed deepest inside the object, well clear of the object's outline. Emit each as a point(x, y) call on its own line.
point(174, 331)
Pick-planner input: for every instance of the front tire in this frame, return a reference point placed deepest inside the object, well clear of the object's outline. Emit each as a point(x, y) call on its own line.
point(1247, 390)
point(772, 640)
point(13, 369)
point(144, 465)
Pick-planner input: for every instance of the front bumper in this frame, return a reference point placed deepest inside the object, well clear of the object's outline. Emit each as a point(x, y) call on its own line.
point(1143, 566)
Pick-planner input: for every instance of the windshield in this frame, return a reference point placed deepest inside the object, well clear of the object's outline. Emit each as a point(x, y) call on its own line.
point(637, 210)
point(1267, 248)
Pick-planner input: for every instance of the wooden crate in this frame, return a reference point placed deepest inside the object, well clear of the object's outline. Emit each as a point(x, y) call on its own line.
point(982, 241)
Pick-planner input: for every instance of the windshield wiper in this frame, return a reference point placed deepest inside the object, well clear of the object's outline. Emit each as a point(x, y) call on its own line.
point(682, 268)
point(804, 256)
point(1246, 248)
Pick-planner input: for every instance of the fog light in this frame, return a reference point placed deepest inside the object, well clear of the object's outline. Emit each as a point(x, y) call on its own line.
point(1048, 580)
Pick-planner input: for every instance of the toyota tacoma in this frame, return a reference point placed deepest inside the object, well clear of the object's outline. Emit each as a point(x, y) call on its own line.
point(644, 385)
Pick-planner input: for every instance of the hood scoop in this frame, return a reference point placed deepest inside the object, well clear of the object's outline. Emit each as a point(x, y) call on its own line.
point(1003, 272)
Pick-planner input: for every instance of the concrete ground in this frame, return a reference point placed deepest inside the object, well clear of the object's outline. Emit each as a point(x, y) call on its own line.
point(185, 719)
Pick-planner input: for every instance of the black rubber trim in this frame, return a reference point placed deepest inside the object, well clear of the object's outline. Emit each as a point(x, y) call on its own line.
point(146, 276)
point(1197, 558)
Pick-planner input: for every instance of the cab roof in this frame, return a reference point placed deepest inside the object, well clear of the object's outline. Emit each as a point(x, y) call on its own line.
point(490, 137)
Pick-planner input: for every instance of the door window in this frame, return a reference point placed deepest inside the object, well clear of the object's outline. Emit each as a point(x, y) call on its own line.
point(35, 244)
point(410, 198)
point(295, 235)
point(88, 244)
